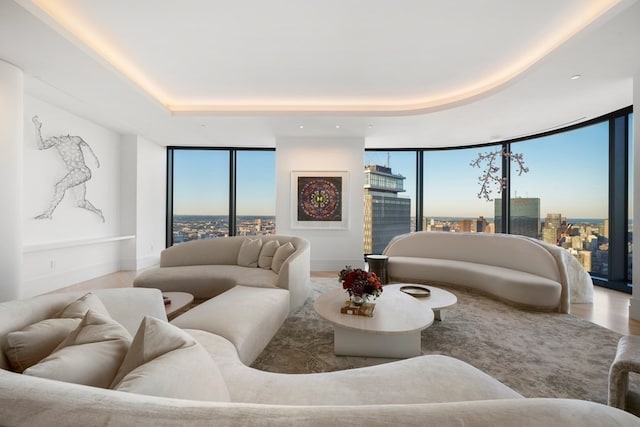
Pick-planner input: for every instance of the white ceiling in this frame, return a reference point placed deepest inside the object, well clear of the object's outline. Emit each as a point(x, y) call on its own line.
point(410, 73)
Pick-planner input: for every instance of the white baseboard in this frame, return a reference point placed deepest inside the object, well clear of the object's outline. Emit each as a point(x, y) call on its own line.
point(52, 282)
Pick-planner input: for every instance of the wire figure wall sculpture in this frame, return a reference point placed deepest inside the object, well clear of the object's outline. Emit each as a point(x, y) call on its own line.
point(70, 150)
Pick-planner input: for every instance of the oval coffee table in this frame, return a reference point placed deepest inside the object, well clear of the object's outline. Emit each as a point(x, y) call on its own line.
point(393, 331)
point(437, 301)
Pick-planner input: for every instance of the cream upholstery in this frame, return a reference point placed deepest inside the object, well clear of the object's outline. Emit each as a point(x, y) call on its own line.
point(164, 360)
point(206, 268)
point(434, 390)
point(514, 268)
point(266, 253)
point(248, 317)
point(90, 355)
point(249, 252)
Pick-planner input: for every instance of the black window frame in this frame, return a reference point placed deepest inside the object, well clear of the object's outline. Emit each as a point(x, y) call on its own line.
point(233, 163)
point(619, 122)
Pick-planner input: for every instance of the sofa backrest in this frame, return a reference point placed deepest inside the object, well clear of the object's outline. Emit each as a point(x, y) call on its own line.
point(500, 250)
point(216, 251)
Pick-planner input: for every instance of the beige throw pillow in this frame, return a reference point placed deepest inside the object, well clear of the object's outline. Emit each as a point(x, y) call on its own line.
point(90, 355)
point(78, 309)
point(266, 253)
point(166, 361)
point(281, 255)
point(26, 347)
point(30, 345)
point(249, 251)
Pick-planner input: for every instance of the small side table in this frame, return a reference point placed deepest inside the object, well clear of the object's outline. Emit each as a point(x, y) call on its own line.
point(378, 265)
point(180, 302)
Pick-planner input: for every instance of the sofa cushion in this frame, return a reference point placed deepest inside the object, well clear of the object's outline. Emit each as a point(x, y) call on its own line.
point(165, 361)
point(205, 281)
point(28, 346)
point(281, 255)
point(248, 317)
point(90, 355)
point(511, 285)
point(266, 253)
point(249, 252)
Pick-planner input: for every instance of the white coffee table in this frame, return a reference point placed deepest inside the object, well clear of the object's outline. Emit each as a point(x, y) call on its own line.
point(393, 331)
point(437, 301)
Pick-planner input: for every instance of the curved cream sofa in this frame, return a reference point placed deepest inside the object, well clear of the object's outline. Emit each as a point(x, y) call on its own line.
point(434, 390)
point(514, 268)
point(206, 268)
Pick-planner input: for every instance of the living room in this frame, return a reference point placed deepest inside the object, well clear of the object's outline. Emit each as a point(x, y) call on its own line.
point(56, 83)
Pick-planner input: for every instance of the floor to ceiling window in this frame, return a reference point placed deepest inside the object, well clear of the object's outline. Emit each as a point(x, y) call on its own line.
point(451, 191)
point(215, 192)
point(255, 192)
point(576, 192)
point(389, 197)
point(564, 198)
point(200, 208)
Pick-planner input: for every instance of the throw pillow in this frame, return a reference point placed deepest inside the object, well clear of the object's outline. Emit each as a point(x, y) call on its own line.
point(28, 346)
point(78, 309)
point(266, 253)
point(90, 355)
point(249, 251)
point(281, 255)
point(166, 361)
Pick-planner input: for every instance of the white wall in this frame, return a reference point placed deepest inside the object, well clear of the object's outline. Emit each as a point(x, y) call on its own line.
point(75, 244)
point(11, 112)
point(330, 249)
point(151, 202)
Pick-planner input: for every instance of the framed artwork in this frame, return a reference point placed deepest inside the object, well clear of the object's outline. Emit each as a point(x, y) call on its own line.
point(319, 199)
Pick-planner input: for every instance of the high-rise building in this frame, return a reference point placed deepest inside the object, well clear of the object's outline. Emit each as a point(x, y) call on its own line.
point(466, 225)
point(553, 228)
point(482, 225)
point(385, 214)
point(525, 216)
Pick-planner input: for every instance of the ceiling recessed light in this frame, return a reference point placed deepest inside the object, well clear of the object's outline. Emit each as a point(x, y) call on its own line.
point(301, 126)
point(337, 126)
point(575, 77)
point(369, 126)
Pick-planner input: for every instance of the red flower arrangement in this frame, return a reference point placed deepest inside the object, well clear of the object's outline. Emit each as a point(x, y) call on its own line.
point(360, 283)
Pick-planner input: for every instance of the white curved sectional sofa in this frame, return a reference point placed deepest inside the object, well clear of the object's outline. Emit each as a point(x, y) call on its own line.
point(514, 268)
point(199, 380)
point(206, 268)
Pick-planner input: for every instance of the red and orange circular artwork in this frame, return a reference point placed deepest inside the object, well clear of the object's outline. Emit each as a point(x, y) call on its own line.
point(319, 199)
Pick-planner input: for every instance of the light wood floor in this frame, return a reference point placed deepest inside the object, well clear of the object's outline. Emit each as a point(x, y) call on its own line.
point(609, 309)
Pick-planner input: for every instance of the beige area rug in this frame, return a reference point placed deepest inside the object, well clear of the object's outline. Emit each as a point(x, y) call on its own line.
point(536, 354)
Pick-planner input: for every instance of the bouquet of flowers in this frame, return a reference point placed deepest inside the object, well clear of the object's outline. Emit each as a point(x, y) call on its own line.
point(360, 283)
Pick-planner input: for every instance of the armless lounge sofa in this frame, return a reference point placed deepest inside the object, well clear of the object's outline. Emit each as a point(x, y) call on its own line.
point(517, 269)
point(249, 285)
